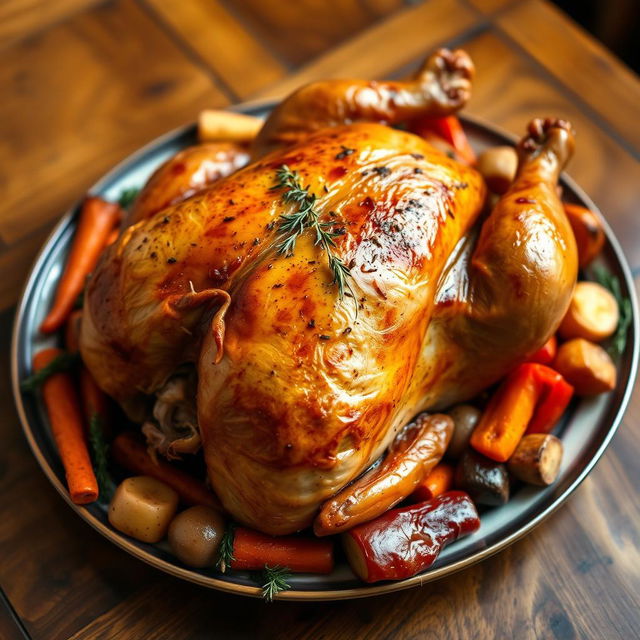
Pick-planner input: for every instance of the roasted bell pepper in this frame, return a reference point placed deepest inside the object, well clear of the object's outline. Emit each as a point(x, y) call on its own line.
point(547, 352)
point(451, 131)
point(531, 393)
point(405, 541)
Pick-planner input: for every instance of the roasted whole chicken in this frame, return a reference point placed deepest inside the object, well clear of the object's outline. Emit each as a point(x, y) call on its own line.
point(295, 367)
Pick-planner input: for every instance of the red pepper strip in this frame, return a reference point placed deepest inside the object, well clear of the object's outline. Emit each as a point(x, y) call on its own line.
point(546, 354)
point(451, 131)
point(527, 390)
point(405, 541)
point(253, 550)
point(551, 406)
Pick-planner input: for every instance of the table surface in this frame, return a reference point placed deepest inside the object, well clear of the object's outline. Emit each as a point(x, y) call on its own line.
point(85, 82)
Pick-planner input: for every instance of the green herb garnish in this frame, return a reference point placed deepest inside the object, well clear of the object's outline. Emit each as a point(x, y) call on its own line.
point(225, 552)
point(100, 455)
point(619, 338)
point(127, 196)
point(63, 362)
point(306, 216)
point(274, 581)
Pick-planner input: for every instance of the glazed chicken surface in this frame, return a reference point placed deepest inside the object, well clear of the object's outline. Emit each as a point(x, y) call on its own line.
point(301, 387)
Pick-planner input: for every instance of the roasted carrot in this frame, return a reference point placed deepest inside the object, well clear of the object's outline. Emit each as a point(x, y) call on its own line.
point(253, 550)
point(438, 481)
point(530, 388)
point(112, 237)
point(65, 416)
point(131, 454)
point(547, 352)
point(97, 219)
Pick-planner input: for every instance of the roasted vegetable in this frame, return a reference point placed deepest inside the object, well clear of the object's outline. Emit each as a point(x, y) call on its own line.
point(547, 352)
point(486, 481)
point(412, 456)
point(588, 232)
point(527, 392)
point(593, 313)
point(253, 550)
point(405, 541)
point(498, 166)
point(98, 218)
point(537, 459)
point(67, 425)
point(587, 366)
point(227, 126)
point(465, 418)
point(195, 535)
point(131, 454)
point(438, 481)
point(450, 130)
point(142, 507)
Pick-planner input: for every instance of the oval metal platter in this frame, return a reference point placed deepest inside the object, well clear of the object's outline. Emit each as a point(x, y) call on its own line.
point(586, 431)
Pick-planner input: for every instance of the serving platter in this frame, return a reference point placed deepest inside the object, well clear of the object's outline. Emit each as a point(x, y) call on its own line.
point(586, 431)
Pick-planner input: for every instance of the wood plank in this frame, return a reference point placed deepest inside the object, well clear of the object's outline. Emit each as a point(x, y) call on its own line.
point(21, 19)
point(594, 74)
point(301, 30)
point(222, 43)
point(491, 6)
point(509, 91)
point(59, 134)
point(408, 34)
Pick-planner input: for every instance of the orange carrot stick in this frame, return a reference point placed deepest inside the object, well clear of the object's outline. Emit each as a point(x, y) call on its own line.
point(97, 219)
point(65, 416)
point(112, 237)
point(131, 454)
point(253, 550)
point(547, 352)
point(438, 481)
point(505, 419)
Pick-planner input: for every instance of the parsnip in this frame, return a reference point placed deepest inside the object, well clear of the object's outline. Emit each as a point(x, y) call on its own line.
point(227, 126)
point(537, 459)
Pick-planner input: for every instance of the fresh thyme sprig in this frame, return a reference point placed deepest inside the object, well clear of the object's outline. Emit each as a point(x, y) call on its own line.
point(127, 196)
point(100, 456)
point(225, 552)
point(63, 362)
point(293, 225)
point(274, 581)
point(619, 338)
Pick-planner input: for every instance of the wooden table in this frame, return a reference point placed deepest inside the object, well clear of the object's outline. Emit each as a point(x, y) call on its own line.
point(85, 82)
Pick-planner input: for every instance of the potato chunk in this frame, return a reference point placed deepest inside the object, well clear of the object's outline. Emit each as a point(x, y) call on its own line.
point(195, 536)
point(142, 507)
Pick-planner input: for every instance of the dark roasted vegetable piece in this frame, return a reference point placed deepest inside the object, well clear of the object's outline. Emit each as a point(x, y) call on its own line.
point(537, 459)
point(486, 481)
point(588, 232)
point(412, 456)
point(465, 418)
point(405, 541)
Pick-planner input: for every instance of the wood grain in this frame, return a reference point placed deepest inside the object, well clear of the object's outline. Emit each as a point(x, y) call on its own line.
point(20, 19)
point(407, 38)
point(83, 85)
point(299, 30)
point(223, 43)
point(579, 62)
point(78, 99)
